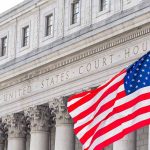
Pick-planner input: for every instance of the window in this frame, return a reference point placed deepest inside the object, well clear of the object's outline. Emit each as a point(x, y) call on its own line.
point(25, 40)
point(3, 46)
point(102, 5)
point(49, 25)
point(75, 12)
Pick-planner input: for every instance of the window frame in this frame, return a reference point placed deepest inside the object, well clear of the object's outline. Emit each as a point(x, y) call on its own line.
point(25, 36)
point(4, 45)
point(42, 35)
point(75, 6)
point(101, 5)
point(99, 12)
point(70, 25)
point(49, 26)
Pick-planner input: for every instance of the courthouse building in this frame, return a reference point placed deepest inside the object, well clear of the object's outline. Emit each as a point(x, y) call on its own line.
point(52, 49)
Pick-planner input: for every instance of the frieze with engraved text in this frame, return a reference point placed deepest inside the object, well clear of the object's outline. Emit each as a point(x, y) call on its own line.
point(49, 80)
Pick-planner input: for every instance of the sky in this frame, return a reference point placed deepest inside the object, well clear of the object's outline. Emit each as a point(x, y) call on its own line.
point(6, 4)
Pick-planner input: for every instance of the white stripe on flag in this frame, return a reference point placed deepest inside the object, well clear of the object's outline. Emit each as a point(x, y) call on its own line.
point(116, 116)
point(120, 115)
point(98, 118)
point(132, 96)
point(75, 100)
point(104, 101)
point(88, 104)
point(119, 129)
point(104, 114)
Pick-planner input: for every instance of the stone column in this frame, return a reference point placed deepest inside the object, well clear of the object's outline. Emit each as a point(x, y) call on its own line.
point(28, 142)
point(16, 126)
point(39, 117)
point(126, 143)
point(64, 137)
point(2, 136)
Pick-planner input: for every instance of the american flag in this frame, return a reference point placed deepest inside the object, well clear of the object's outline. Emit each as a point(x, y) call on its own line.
point(109, 112)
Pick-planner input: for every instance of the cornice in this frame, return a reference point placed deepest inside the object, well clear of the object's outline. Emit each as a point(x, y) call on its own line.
point(85, 53)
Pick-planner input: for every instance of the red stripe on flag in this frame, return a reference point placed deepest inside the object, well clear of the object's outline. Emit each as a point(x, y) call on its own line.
point(118, 122)
point(78, 95)
point(116, 110)
point(93, 107)
point(103, 108)
point(122, 134)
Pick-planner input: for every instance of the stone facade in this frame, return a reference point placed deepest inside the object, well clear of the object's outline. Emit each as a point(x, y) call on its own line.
point(37, 79)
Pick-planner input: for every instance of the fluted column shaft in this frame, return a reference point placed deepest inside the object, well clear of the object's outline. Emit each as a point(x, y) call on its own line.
point(15, 124)
point(64, 138)
point(39, 119)
point(126, 143)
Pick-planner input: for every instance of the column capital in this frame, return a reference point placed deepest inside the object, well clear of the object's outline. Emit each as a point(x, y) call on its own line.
point(16, 125)
point(59, 108)
point(39, 118)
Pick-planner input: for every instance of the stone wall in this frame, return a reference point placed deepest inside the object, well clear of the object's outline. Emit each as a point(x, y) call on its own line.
point(33, 13)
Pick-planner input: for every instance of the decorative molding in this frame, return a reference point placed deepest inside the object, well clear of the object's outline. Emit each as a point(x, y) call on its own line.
point(59, 109)
point(39, 118)
point(110, 43)
point(16, 125)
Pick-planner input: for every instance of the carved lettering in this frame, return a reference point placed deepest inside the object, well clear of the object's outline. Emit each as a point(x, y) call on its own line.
point(127, 53)
point(67, 75)
point(51, 79)
point(136, 49)
point(80, 70)
point(104, 61)
point(17, 93)
point(88, 67)
point(97, 64)
point(111, 58)
point(144, 46)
